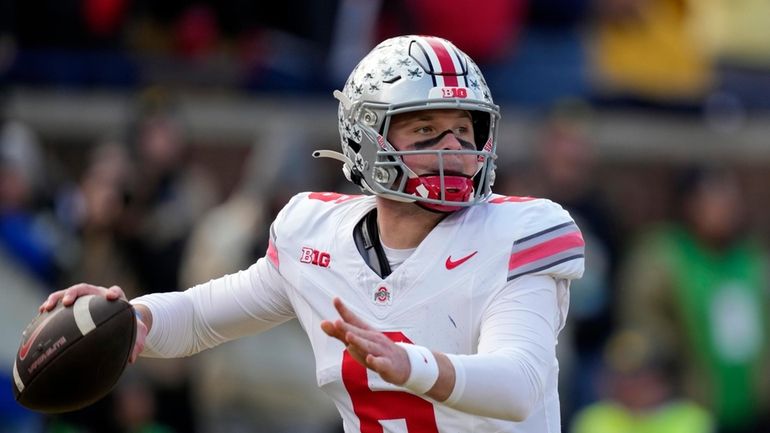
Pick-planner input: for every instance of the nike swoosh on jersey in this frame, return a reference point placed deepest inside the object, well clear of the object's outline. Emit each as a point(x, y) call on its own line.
point(450, 264)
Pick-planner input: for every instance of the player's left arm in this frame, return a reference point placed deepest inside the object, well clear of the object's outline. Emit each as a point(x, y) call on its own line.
point(509, 374)
point(374, 350)
point(506, 378)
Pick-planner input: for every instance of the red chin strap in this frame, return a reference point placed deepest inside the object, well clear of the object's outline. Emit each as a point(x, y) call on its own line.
point(458, 189)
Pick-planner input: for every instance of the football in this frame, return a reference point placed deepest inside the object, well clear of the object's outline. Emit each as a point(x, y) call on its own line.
point(70, 357)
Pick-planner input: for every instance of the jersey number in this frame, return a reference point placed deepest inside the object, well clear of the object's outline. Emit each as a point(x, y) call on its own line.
point(374, 406)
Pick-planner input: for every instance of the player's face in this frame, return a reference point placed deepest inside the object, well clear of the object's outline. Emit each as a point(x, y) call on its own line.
point(435, 130)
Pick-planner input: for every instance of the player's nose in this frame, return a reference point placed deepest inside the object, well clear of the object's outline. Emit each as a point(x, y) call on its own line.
point(450, 142)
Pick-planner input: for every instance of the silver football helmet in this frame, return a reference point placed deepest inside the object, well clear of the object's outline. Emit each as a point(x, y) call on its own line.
point(413, 73)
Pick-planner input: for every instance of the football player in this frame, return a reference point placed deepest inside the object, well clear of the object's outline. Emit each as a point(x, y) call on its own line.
point(431, 303)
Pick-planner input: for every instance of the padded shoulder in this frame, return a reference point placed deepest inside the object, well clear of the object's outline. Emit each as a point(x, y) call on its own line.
point(544, 238)
point(309, 213)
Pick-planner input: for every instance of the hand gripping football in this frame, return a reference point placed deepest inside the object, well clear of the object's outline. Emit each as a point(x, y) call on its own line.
point(71, 357)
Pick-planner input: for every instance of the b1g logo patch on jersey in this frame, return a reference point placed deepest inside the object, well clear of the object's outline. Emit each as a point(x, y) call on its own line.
point(381, 295)
point(315, 257)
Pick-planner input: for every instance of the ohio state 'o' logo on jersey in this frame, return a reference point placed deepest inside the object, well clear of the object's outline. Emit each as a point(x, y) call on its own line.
point(382, 296)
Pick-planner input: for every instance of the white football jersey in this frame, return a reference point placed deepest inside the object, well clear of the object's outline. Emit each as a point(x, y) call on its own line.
point(443, 297)
point(437, 298)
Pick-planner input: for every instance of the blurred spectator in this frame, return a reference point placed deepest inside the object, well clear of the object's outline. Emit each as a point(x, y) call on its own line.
point(549, 59)
point(242, 386)
point(287, 48)
point(102, 200)
point(641, 394)
point(737, 36)
point(645, 50)
point(69, 24)
point(661, 52)
point(196, 33)
point(34, 251)
point(735, 32)
point(489, 37)
point(169, 195)
point(565, 170)
point(7, 39)
point(225, 238)
point(29, 233)
point(98, 207)
point(21, 294)
point(71, 43)
point(135, 406)
point(356, 25)
point(699, 288)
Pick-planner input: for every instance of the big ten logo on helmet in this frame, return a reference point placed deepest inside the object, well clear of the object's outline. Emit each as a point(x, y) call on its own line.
point(315, 257)
point(448, 92)
point(454, 92)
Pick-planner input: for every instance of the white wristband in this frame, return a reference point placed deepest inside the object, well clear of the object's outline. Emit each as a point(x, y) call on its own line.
point(424, 371)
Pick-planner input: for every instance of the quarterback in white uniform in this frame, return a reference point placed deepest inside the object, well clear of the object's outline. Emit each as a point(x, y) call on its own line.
point(432, 304)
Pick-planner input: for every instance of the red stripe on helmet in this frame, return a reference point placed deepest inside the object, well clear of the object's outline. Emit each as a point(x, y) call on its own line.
point(448, 71)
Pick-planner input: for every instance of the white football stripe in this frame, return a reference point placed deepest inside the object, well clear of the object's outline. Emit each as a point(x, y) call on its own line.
point(83, 315)
point(17, 378)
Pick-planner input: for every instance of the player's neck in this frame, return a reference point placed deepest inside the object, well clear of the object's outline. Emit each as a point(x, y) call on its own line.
point(404, 225)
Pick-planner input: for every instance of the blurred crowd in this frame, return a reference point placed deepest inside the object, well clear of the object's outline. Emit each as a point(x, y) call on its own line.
point(681, 54)
point(668, 329)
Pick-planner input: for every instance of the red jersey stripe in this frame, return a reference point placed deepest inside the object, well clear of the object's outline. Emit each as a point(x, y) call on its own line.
point(545, 249)
point(448, 71)
point(272, 253)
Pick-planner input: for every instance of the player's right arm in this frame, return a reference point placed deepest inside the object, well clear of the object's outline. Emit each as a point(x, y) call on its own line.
point(183, 323)
point(244, 303)
point(176, 324)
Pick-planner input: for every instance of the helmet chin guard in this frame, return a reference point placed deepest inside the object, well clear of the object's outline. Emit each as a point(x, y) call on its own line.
point(407, 74)
point(442, 189)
